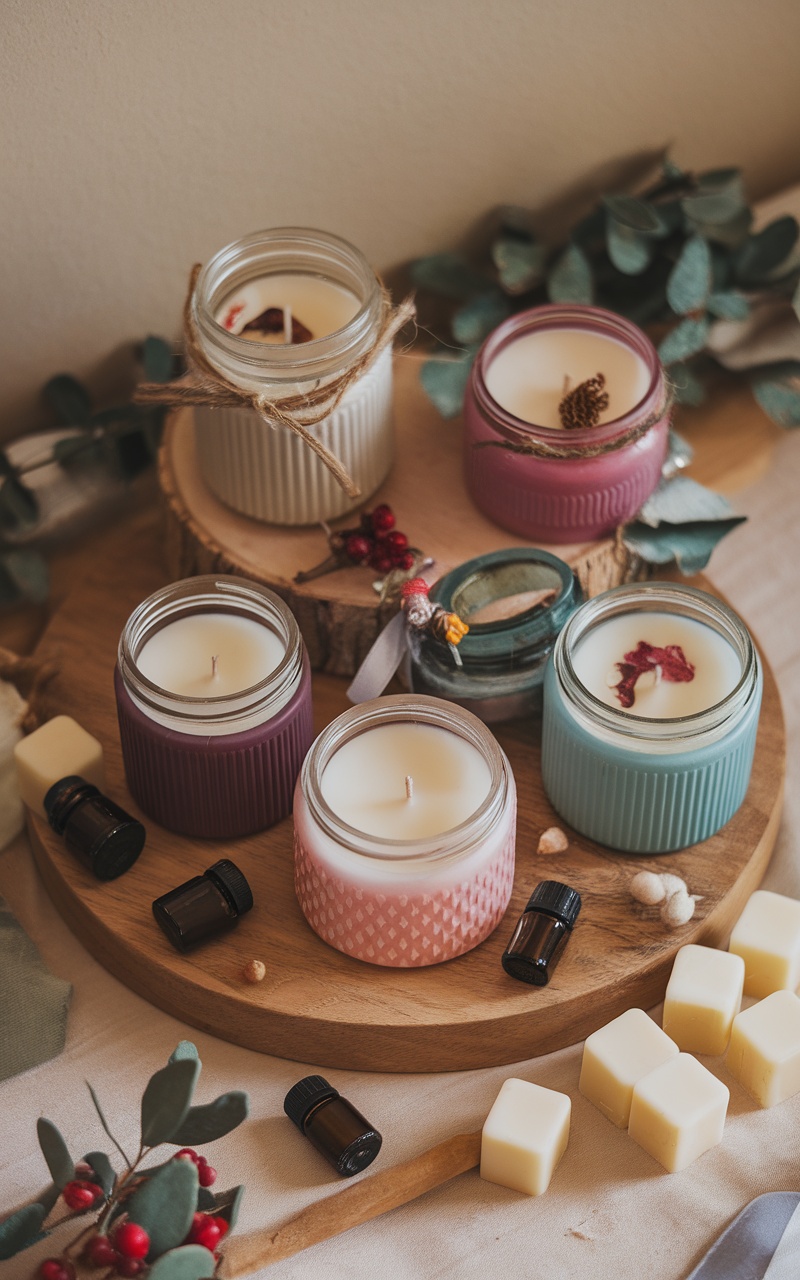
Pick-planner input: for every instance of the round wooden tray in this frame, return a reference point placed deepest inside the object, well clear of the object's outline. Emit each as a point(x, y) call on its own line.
point(340, 614)
point(317, 1005)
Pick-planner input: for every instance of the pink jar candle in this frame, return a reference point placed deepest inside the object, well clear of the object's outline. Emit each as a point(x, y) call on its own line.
point(524, 469)
point(405, 822)
point(213, 690)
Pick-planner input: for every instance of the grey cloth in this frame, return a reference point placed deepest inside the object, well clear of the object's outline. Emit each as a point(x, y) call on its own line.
point(33, 1003)
point(745, 1248)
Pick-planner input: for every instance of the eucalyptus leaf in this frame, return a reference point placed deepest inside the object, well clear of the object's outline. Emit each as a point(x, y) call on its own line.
point(157, 359)
point(714, 207)
point(683, 501)
point(730, 234)
point(687, 387)
point(207, 1123)
point(165, 1204)
point(28, 571)
point(729, 305)
point(48, 1198)
point(671, 171)
point(19, 507)
point(689, 283)
point(69, 400)
point(570, 279)
point(520, 263)
point(21, 1229)
point(472, 322)
point(105, 1176)
point(445, 382)
point(636, 215)
point(206, 1201)
point(777, 390)
point(686, 339)
point(166, 1100)
point(630, 252)
point(190, 1262)
point(228, 1203)
point(185, 1049)
point(763, 252)
point(450, 275)
point(688, 545)
point(55, 1152)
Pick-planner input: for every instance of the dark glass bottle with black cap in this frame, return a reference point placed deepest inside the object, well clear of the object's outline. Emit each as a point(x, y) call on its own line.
point(204, 906)
point(334, 1126)
point(105, 838)
point(542, 932)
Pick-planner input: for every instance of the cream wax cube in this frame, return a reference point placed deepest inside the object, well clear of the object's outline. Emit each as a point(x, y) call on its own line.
point(767, 937)
point(618, 1055)
point(704, 995)
point(765, 1048)
point(678, 1112)
point(524, 1137)
point(54, 751)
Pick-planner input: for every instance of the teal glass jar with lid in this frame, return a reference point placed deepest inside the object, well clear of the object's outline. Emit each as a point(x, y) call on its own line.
point(651, 704)
point(515, 602)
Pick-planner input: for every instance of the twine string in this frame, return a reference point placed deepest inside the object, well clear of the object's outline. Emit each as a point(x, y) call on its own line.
point(205, 384)
point(541, 449)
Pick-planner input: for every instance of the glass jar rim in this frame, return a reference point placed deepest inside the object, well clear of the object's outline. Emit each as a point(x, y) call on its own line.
point(557, 315)
point(212, 593)
point(246, 259)
point(414, 709)
point(530, 628)
point(657, 596)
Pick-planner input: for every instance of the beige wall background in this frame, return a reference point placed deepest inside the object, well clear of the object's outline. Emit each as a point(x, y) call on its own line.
point(139, 136)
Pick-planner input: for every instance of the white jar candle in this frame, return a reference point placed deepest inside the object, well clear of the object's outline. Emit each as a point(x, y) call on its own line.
point(209, 655)
point(327, 286)
point(405, 816)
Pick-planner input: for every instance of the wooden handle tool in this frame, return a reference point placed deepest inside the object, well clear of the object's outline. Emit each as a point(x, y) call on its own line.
point(367, 1199)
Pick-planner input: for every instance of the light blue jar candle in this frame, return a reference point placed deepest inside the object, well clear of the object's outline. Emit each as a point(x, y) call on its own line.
point(651, 704)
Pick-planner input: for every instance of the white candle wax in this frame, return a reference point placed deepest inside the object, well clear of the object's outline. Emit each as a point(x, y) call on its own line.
point(364, 783)
point(717, 668)
point(181, 656)
point(322, 306)
point(526, 377)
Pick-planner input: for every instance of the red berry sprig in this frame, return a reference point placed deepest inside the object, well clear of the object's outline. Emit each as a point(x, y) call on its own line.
point(131, 1241)
point(375, 543)
point(56, 1269)
point(206, 1174)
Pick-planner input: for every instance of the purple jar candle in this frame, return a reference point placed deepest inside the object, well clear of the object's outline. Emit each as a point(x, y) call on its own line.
point(524, 469)
point(213, 692)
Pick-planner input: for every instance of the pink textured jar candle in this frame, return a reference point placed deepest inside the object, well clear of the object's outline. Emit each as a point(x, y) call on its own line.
point(213, 692)
point(526, 471)
point(405, 822)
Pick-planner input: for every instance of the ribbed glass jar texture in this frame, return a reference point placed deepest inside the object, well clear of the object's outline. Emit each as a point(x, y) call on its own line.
point(502, 661)
point(404, 903)
point(214, 766)
point(265, 471)
point(557, 499)
point(648, 785)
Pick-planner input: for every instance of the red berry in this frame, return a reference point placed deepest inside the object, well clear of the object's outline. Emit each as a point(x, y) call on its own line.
point(406, 560)
point(130, 1266)
point(383, 518)
point(81, 1194)
point(206, 1175)
point(186, 1153)
point(100, 1252)
point(357, 548)
point(131, 1240)
point(380, 563)
point(223, 1225)
point(209, 1235)
point(395, 541)
point(56, 1269)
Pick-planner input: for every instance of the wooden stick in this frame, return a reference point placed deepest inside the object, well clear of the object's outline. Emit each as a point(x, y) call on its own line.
point(377, 1194)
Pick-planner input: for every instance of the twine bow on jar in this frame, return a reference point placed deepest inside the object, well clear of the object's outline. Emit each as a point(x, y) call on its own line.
point(204, 384)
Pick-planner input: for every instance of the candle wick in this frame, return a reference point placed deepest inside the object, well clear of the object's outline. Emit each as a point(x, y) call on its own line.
point(214, 661)
point(409, 786)
point(287, 325)
point(565, 388)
